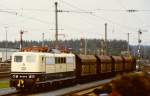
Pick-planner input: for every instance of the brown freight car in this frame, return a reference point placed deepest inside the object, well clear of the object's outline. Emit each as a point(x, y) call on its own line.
point(118, 64)
point(91, 67)
point(128, 63)
point(86, 67)
point(104, 66)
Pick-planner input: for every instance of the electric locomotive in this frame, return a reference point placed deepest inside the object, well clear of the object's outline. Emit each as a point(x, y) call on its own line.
point(29, 68)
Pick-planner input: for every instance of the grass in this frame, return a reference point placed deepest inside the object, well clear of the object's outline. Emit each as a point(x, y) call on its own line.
point(4, 84)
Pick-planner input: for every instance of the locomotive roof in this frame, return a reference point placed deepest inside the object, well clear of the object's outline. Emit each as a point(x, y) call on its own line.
point(117, 58)
point(45, 54)
point(128, 59)
point(104, 58)
point(86, 58)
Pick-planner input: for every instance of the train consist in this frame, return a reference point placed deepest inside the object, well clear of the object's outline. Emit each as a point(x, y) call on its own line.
point(51, 70)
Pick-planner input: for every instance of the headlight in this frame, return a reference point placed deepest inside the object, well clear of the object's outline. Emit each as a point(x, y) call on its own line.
point(13, 76)
point(31, 76)
point(16, 76)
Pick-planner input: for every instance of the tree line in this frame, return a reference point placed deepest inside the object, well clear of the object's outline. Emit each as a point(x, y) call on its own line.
point(114, 47)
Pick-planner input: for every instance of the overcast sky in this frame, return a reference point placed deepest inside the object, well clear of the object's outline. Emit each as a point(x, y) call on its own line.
point(37, 16)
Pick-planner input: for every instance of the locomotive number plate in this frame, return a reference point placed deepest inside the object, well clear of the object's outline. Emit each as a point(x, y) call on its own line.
point(23, 68)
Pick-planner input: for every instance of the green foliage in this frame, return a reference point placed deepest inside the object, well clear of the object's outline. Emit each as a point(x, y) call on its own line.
point(4, 84)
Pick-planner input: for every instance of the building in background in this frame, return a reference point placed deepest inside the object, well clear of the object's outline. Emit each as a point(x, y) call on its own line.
point(6, 56)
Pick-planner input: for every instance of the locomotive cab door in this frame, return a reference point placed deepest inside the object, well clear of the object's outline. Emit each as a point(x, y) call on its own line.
point(42, 66)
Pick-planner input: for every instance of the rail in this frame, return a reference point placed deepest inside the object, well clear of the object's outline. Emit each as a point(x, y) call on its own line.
point(4, 69)
point(8, 92)
point(88, 91)
point(4, 74)
point(85, 92)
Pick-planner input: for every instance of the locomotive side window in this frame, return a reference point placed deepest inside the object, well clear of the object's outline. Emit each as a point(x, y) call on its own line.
point(63, 60)
point(50, 60)
point(31, 58)
point(70, 60)
point(18, 59)
point(59, 60)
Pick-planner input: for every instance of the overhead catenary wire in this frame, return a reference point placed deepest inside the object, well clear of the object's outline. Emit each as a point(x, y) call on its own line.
point(100, 17)
point(79, 11)
point(83, 11)
point(75, 11)
point(133, 11)
point(27, 17)
point(16, 13)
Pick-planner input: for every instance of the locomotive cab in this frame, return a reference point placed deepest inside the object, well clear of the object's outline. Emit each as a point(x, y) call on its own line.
point(30, 62)
point(26, 68)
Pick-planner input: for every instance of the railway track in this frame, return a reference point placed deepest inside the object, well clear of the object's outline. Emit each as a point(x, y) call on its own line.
point(13, 94)
point(68, 91)
point(72, 89)
point(85, 92)
point(8, 92)
point(4, 74)
point(94, 90)
point(4, 69)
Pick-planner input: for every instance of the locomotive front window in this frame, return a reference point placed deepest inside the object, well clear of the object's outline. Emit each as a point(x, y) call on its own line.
point(31, 58)
point(18, 59)
point(70, 60)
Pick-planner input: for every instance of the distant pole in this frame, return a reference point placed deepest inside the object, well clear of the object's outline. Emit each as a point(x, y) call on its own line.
point(21, 41)
point(56, 25)
point(85, 47)
point(139, 48)
point(105, 38)
point(6, 45)
point(102, 47)
point(81, 46)
point(128, 43)
point(139, 43)
point(43, 39)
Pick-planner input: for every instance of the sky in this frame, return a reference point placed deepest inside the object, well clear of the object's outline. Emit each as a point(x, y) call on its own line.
point(78, 19)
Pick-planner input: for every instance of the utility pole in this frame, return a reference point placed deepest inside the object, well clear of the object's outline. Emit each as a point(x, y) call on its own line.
point(43, 39)
point(102, 47)
point(128, 43)
point(139, 48)
point(105, 38)
point(21, 41)
point(81, 46)
point(6, 44)
point(85, 46)
point(56, 25)
point(139, 43)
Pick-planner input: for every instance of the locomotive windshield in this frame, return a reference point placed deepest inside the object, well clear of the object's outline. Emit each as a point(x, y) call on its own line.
point(31, 58)
point(18, 58)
